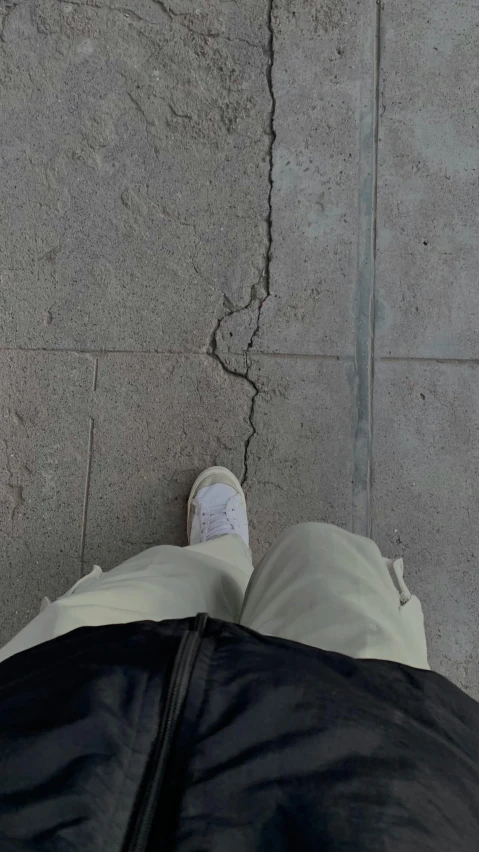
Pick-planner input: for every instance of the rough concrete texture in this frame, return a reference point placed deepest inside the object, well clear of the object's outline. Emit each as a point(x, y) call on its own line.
point(318, 54)
point(44, 416)
point(135, 148)
point(159, 420)
point(245, 233)
point(426, 492)
point(428, 251)
point(303, 418)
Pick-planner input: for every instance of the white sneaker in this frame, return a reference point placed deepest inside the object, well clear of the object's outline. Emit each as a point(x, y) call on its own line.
point(216, 506)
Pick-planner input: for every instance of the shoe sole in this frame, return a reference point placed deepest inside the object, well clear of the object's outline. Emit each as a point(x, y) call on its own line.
point(226, 476)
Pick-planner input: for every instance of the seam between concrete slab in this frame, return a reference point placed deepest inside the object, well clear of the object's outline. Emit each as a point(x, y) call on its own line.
point(100, 353)
point(344, 359)
point(264, 283)
point(457, 362)
point(302, 356)
point(366, 284)
point(89, 459)
point(86, 493)
point(95, 374)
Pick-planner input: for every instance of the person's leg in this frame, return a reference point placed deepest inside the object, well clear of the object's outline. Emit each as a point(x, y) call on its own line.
point(328, 588)
point(210, 575)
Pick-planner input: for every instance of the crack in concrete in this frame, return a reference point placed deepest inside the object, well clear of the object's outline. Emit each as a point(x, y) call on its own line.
point(272, 138)
point(243, 376)
point(265, 279)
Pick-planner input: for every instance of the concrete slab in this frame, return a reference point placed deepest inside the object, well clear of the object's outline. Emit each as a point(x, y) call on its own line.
point(159, 420)
point(318, 52)
point(44, 429)
point(134, 152)
point(425, 497)
point(427, 249)
point(135, 147)
point(301, 456)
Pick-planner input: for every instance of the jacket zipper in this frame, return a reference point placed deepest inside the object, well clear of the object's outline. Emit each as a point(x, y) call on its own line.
point(179, 682)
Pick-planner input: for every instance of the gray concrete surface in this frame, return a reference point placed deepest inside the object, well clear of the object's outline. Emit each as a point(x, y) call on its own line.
point(146, 409)
point(44, 407)
point(425, 497)
point(244, 233)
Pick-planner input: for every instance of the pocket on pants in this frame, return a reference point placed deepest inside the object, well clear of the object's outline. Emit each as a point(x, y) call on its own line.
point(95, 572)
point(396, 572)
point(92, 575)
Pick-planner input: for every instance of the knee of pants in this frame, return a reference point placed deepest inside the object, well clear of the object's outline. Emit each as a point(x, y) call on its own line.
point(320, 530)
point(310, 528)
point(338, 543)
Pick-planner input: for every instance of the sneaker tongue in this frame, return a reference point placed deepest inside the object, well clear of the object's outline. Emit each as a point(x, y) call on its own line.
point(215, 497)
point(217, 510)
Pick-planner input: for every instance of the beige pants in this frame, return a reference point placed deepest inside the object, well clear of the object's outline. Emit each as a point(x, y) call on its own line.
point(317, 584)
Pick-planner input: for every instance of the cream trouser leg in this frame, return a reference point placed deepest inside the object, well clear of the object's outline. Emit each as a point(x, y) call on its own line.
point(160, 583)
point(318, 585)
point(328, 588)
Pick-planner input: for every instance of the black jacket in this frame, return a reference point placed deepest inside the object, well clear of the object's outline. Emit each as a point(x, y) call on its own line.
point(200, 735)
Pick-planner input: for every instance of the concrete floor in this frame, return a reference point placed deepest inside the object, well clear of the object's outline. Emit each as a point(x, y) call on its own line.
point(240, 233)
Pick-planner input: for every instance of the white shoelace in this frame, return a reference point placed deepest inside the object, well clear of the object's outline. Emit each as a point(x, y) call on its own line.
point(215, 522)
